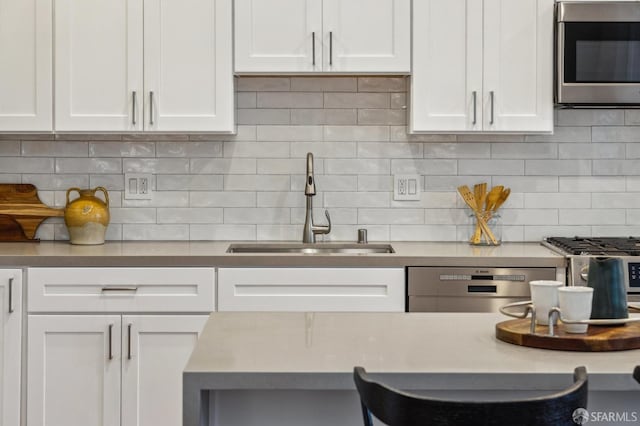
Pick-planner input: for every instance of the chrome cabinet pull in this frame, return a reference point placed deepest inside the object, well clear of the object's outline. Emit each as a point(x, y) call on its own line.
point(313, 48)
point(11, 295)
point(151, 107)
point(133, 109)
point(330, 47)
point(107, 289)
point(491, 95)
point(110, 339)
point(129, 341)
point(475, 95)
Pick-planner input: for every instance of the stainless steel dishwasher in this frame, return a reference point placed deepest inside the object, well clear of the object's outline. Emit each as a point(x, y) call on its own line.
point(446, 289)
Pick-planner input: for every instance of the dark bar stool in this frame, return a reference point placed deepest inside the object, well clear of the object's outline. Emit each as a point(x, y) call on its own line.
point(636, 373)
point(398, 408)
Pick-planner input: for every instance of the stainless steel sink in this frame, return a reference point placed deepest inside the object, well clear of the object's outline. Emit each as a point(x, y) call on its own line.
point(318, 248)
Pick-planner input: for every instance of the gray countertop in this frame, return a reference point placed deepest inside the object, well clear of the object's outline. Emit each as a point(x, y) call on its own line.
point(213, 253)
point(451, 350)
point(249, 355)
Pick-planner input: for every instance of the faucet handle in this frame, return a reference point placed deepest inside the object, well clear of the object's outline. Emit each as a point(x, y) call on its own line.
point(323, 229)
point(326, 213)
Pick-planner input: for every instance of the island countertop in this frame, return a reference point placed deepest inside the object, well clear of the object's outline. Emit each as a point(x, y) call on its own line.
point(319, 350)
point(213, 253)
point(248, 356)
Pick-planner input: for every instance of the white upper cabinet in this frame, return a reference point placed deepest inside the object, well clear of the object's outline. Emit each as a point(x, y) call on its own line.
point(25, 66)
point(446, 89)
point(482, 65)
point(98, 65)
point(278, 35)
point(153, 65)
point(366, 35)
point(518, 65)
point(188, 74)
point(322, 36)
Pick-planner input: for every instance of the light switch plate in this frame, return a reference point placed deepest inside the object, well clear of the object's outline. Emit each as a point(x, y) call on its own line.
point(406, 187)
point(138, 186)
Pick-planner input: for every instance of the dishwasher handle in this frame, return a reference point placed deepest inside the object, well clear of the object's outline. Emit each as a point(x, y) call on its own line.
point(482, 289)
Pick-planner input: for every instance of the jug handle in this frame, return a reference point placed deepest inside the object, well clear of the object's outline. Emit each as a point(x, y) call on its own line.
point(104, 191)
point(69, 191)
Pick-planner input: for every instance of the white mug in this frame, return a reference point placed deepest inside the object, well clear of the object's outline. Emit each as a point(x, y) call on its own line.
point(544, 296)
point(575, 304)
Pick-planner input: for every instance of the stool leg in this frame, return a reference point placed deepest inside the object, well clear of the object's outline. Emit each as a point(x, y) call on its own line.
point(366, 415)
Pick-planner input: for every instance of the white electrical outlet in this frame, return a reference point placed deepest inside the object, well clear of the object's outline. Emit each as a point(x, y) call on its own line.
point(406, 187)
point(138, 186)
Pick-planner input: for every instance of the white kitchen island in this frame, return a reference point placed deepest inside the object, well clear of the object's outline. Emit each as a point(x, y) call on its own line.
point(296, 368)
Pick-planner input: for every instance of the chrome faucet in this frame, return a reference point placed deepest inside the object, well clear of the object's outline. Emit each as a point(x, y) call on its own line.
point(310, 230)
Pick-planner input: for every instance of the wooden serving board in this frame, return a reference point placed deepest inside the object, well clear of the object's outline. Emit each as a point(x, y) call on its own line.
point(21, 212)
point(596, 339)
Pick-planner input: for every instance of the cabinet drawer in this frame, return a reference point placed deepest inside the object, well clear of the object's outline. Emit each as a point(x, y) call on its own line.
point(311, 289)
point(121, 289)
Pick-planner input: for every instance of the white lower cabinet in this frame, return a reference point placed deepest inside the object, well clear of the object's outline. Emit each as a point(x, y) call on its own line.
point(73, 366)
point(10, 345)
point(110, 367)
point(155, 350)
point(311, 289)
point(78, 365)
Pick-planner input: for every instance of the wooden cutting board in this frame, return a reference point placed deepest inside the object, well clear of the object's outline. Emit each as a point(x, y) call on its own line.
point(21, 212)
point(596, 339)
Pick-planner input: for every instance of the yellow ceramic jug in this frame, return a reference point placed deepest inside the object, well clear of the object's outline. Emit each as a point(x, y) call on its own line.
point(87, 216)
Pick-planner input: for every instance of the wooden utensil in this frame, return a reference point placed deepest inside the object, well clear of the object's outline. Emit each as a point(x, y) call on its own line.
point(498, 198)
point(22, 212)
point(480, 192)
point(477, 193)
point(503, 197)
point(469, 198)
point(493, 197)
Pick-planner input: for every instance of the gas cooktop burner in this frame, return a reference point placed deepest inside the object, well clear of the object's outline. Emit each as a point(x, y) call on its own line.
point(606, 246)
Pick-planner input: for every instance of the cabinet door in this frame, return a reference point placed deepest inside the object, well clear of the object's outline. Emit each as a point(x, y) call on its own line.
point(10, 348)
point(74, 370)
point(446, 89)
point(25, 65)
point(518, 65)
point(311, 289)
point(98, 65)
point(155, 351)
point(367, 35)
point(188, 72)
point(278, 35)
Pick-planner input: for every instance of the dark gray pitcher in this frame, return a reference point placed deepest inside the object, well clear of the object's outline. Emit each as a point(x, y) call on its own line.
point(606, 277)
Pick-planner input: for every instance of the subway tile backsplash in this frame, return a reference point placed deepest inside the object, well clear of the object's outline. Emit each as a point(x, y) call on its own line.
point(582, 180)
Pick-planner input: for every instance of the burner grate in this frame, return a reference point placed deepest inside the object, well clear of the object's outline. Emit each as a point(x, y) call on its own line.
point(604, 246)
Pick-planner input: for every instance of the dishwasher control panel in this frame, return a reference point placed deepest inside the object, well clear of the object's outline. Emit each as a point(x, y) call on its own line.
point(484, 277)
point(445, 289)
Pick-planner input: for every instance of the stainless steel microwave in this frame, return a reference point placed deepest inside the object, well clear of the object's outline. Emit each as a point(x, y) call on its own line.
point(598, 53)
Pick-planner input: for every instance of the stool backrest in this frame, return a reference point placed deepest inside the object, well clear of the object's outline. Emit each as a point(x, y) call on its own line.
point(398, 408)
